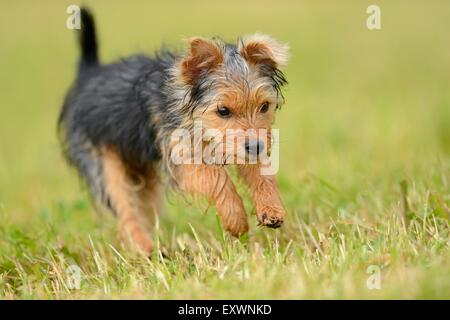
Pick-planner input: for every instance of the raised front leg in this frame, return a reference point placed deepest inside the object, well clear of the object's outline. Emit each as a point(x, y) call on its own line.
point(264, 190)
point(214, 183)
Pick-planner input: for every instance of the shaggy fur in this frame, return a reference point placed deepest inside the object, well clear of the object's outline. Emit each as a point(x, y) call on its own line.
point(117, 120)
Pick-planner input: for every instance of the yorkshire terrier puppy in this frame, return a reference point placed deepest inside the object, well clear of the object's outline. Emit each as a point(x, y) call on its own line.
point(118, 121)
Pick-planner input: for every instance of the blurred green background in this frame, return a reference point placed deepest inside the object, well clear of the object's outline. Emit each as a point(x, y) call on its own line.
point(364, 109)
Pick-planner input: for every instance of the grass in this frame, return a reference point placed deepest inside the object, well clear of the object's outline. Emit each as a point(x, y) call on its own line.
point(364, 164)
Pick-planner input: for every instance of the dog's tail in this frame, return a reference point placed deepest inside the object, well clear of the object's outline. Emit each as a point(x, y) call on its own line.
point(87, 40)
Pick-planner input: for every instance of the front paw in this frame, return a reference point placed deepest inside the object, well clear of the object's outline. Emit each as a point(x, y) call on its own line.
point(270, 216)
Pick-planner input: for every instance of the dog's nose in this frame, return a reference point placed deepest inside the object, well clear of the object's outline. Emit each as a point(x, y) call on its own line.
point(254, 147)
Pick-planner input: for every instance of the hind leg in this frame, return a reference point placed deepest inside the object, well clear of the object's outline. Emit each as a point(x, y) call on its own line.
point(149, 191)
point(130, 196)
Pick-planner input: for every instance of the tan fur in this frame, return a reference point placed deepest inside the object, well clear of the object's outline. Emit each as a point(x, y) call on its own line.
point(132, 197)
point(264, 191)
point(214, 183)
point(262, 49)
point(244, 98)
point(244, 104)
point(203, 54)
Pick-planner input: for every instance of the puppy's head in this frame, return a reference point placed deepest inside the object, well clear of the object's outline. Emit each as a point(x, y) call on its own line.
point(234, 91)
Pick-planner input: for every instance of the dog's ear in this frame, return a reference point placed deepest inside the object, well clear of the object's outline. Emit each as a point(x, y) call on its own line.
point(202, 56)
point(261, 49)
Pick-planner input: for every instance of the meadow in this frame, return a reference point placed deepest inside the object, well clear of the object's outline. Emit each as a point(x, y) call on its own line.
point(364, 161)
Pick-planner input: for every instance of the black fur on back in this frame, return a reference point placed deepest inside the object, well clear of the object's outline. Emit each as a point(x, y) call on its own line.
point(112, 105)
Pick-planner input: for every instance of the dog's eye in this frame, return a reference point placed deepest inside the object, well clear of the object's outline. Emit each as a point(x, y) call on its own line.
point(224, 112)
point(264, 107)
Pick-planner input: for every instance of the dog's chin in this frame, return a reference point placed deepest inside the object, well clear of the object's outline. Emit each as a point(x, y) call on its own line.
point(222, 163)
point(238, 161)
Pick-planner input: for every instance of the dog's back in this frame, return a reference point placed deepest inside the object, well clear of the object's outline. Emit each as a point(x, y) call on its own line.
point(107, 107)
